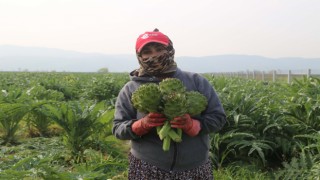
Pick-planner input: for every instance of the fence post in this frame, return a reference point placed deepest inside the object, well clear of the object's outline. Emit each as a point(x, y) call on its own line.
point(309, 73)
point(274, 76)
point(247, 74)
point(262, 75)
point(289, 77)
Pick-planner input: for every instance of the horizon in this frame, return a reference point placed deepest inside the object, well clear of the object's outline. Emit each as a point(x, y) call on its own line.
point(18, 58)
point(132, 54)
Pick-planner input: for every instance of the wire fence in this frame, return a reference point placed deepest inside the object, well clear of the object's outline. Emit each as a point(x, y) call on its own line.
point(274, 75)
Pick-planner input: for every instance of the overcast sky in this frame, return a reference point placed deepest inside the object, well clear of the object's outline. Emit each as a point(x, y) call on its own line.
point(271, 28)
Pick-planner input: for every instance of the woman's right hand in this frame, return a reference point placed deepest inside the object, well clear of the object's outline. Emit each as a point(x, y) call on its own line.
point(145, 124)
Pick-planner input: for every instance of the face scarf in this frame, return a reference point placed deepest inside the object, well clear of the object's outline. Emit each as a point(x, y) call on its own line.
point(157, 65)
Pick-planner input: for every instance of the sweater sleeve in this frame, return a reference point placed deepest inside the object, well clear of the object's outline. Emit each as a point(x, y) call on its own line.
point(213, 118)
point(125, 115)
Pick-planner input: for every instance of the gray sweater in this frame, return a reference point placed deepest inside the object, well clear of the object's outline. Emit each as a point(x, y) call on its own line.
point(188, 154)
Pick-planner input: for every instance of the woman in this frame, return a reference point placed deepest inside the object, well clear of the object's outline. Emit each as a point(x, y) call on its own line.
point(188, 159)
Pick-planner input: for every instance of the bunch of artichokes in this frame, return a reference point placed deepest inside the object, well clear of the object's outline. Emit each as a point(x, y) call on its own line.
point(172, 99)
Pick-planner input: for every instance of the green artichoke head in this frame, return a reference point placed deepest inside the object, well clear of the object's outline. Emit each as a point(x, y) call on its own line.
point(171, 85)
point(196, 102)
point(175, 105)
point(147, 98)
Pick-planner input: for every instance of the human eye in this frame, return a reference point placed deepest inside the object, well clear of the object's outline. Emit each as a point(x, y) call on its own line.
point(160, 48)
point(146, 52)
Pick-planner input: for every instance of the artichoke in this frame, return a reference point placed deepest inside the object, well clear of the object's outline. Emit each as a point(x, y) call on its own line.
point(147, 98)
point(196, 102)
point(171, 85)
point(175, 105)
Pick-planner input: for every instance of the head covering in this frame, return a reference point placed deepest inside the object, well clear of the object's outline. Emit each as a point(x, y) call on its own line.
point(148, 37)
point(157, 65)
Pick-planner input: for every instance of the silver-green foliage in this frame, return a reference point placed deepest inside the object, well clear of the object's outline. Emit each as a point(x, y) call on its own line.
point(47, 158)
point(80, 121)
point(267, 125)
point(14, 106)
point(304, 166)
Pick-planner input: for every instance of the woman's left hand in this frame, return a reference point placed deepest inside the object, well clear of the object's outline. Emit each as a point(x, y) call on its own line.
point(187, 124)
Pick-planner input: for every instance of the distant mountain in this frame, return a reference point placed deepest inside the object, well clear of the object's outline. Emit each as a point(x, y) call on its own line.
point(236, 63)
point(16, 58)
